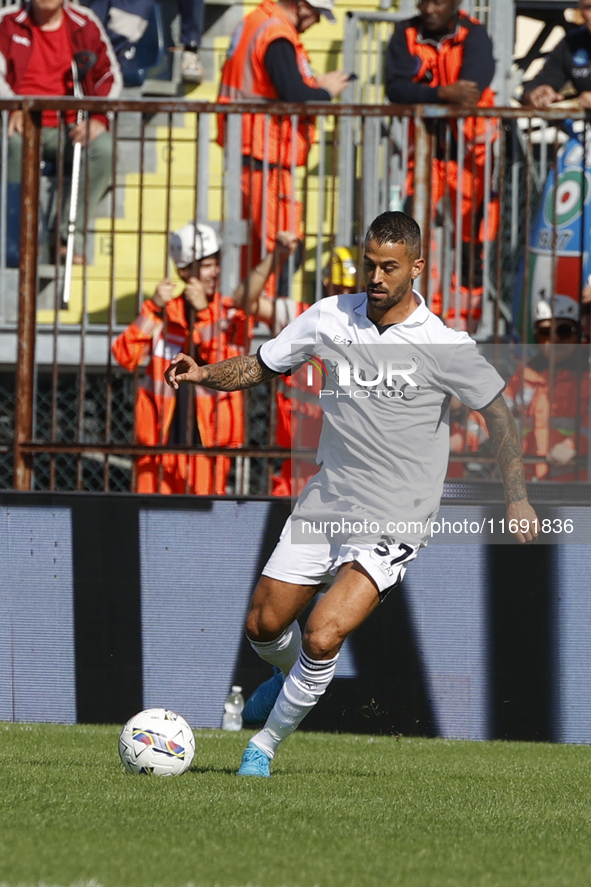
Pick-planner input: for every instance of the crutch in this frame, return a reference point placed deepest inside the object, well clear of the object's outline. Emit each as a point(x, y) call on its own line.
point(82, 62)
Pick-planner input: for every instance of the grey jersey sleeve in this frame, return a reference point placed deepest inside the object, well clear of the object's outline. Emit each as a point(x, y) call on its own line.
point(295, 344)
point(469, 376)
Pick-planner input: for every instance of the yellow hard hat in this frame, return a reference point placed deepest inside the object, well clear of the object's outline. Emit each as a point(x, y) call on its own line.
point(341, 271)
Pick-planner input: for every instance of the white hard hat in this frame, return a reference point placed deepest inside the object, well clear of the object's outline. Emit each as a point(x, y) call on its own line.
point(325, 7)
point(564, 308)
point(190, 244)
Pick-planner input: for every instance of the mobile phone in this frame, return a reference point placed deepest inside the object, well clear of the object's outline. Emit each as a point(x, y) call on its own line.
point(353, 77)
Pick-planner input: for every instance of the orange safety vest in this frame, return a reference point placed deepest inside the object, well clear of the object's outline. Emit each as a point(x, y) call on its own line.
point(245, 78)
point(440, 63)
point(220, 332)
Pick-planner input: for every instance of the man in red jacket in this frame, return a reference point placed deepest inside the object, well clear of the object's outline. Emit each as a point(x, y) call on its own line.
point(38, 45)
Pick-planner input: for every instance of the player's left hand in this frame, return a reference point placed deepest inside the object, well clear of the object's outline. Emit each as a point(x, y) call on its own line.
point(527, 521)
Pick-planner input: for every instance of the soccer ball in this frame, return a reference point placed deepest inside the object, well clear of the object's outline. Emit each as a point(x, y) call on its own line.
point(157, 741)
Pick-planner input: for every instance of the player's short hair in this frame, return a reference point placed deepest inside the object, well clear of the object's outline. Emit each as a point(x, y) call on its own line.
point(396, 227)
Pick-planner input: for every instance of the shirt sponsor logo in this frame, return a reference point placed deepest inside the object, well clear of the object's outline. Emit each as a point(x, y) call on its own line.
point(24, 40)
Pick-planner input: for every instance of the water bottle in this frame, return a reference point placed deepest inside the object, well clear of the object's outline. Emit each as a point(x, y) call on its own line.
point(233, 706)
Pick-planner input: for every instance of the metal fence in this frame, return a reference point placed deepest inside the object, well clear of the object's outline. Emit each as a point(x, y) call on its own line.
point(66, 407)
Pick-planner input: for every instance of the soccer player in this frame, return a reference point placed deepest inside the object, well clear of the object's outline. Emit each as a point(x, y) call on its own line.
point(383, 454)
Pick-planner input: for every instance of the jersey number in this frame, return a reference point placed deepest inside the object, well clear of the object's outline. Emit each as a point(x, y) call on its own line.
point(383, 549)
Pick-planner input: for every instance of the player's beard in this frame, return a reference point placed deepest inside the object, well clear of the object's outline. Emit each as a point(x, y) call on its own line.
point(392, 299)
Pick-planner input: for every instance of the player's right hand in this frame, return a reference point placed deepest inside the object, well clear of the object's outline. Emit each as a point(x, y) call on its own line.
point(183, 369)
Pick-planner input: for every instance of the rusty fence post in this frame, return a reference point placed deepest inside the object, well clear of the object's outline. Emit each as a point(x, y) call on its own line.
point(27, 304)
point(422, 192)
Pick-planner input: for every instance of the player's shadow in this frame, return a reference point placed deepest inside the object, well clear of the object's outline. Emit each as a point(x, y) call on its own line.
point(388, 693)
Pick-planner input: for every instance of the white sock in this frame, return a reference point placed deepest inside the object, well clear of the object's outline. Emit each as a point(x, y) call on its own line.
point(283, 651)
point(303, 687)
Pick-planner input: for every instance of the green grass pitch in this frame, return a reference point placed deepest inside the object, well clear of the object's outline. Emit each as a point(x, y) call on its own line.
point(339, 811)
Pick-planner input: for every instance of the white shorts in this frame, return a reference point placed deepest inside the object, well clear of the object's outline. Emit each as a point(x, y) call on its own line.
point(315, 562)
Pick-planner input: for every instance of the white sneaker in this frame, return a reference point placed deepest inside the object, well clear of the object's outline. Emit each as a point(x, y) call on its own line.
point(192, 71)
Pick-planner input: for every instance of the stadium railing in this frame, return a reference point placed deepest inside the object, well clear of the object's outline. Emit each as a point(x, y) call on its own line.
point(66, 408)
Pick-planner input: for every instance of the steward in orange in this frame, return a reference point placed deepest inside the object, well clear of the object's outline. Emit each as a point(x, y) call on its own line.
point(445, 56)
point(267, 62)
point(215, 328)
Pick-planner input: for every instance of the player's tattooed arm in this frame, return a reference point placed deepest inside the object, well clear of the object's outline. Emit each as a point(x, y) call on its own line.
point(229, 375)
point(506, 445)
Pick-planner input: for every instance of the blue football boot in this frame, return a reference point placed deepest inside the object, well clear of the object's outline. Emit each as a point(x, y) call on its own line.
point(260, 704)
point(254, 762)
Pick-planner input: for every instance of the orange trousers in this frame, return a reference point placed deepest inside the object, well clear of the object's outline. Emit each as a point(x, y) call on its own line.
point(269, 205)
point(200, 475)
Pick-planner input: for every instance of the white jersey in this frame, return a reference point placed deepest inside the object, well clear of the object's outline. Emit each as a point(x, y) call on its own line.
point(386, 391)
